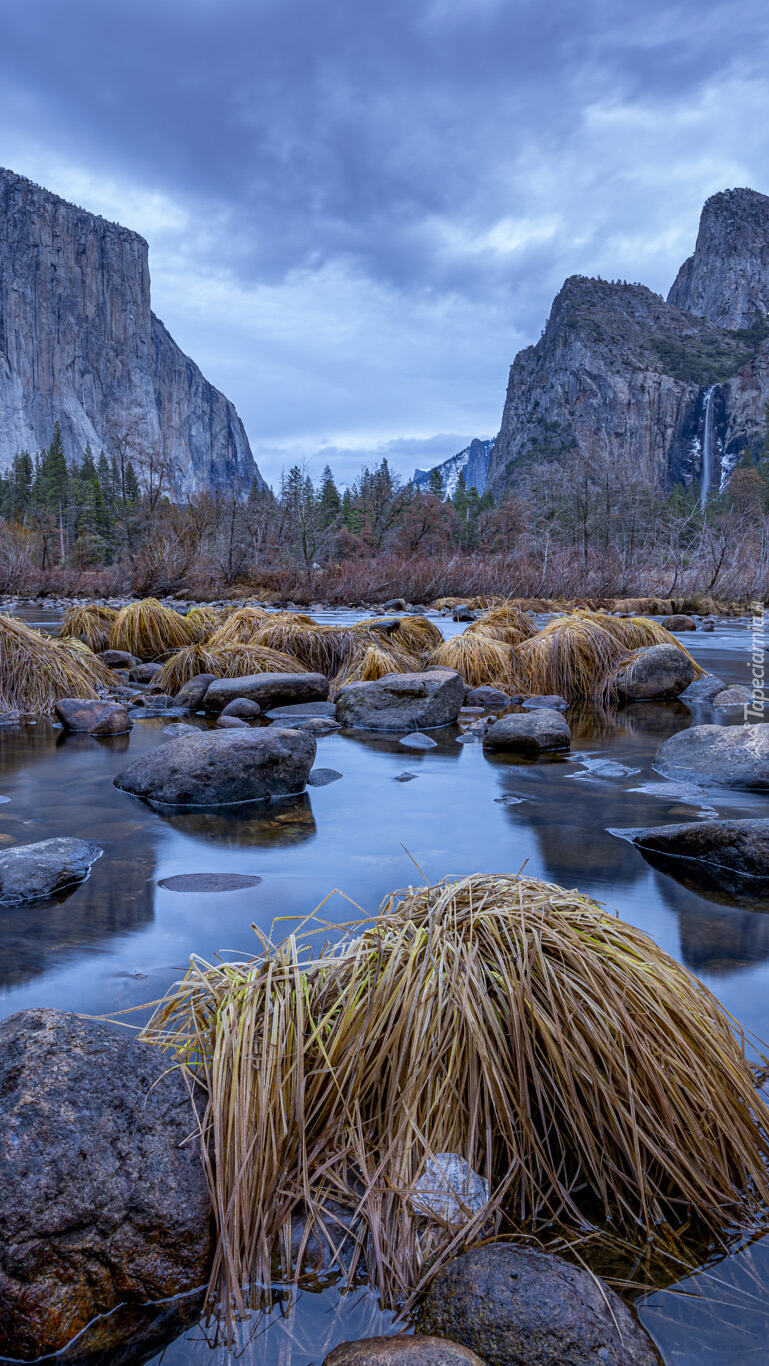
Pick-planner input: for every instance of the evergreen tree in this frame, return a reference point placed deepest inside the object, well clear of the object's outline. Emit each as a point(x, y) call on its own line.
point(56, 474)
point(329, 502)
point(131, 485)
point(435, 483)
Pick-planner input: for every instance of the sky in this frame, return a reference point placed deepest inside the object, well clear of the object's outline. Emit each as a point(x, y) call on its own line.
point(358, 211)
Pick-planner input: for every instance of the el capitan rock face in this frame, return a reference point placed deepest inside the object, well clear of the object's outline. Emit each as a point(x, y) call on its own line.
point(80, 345)
point(621, 374)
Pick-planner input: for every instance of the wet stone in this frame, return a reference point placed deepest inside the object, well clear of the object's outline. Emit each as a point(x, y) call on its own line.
point(208, 882)
point(321, 777)
point(417, 741)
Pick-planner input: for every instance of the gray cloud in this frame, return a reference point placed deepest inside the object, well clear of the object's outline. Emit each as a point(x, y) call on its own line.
point(358, 213)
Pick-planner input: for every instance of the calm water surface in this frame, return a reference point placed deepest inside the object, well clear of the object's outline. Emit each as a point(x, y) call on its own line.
point(119, 940)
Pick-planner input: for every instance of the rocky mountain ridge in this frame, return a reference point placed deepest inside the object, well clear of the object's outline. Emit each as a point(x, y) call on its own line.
point(79, 344)
point(473, 462)
point(621, 374)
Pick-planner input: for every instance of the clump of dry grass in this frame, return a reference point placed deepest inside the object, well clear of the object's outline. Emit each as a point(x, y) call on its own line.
point(636, 633)
point(508, 615)
point(202, 621)
point(321, 648)
point(239, 627)
point(89, 622)
point(35, 671)
point(417, 635)
point(375, 661)
point(149, 629)
point(558, 1050)
point(574, 656)
point(478, 658)
point(223, 661)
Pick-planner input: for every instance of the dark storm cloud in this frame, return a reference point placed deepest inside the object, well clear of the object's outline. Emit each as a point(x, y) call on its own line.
point(384, 178)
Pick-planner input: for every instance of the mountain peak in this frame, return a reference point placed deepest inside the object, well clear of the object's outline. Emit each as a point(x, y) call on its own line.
point(726, 279)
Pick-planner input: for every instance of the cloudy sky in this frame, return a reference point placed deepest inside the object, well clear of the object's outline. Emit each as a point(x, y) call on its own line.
point(359, 211)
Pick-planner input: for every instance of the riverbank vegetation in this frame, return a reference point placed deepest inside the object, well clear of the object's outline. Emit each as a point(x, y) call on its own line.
point(588, 1077)
point(578, 527)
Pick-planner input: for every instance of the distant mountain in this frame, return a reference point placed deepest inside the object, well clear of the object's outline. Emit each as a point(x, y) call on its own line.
point(473, 461)
point(80, 345)
point(678, 388)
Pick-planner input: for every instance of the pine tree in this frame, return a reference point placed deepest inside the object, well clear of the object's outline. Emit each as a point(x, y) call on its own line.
point(329, 502)
point(56, 474)
point(435, 483)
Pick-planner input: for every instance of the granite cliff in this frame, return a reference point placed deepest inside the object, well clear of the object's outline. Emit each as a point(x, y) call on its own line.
point(619, 373)
point(80, 345)
point(472, 462)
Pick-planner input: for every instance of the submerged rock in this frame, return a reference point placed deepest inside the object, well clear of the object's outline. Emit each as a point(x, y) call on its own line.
point(402, 1350)
point(268, 690)
point(219, 768)
point(417, 741)
point(535, 732)
point(406, 702)
point(658, 671)
point(516, 1306)
point(731, 756)
point(34, 872)
point(93, 716)
point(103, 1197)
point(713, 856)
point(737, 695)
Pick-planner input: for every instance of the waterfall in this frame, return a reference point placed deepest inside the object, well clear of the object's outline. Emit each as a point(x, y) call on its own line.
point(707, 448)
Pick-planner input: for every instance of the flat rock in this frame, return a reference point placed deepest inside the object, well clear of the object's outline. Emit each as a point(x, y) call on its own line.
point(417, 741)
point(488, 698)
point(221, 768)
point(730, 756)
point(516, 1306)
point(192, 694)
point(242, 707)
point(552, 700)
point(93, 715)
point(703, 689)
point(321, 777)
point(317, 725)
point(659, 671)
point(34, 872)
point(402, 702)
point(269, 690)
point(230, 722)
point(532, 733)
point(103, 1197)
point(402, 1350)
point(301, 711)
point(718, 856)
point(209, 882)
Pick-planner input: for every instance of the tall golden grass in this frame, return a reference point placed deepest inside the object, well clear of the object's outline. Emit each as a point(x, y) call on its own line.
point(573, 656)
point(239, 627)
point(507, 616)
point(202, 621)
point(321, 648)
point(223, 661)
point(375, 661)
point(417, 635)
point(558, 1050)
point(89, 622)
point(636, 633)
point(478, 658)
point(148, 629)
point(35, 671)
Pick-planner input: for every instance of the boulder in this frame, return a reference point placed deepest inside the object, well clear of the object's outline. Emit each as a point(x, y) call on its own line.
point(492, 699)
point(532, 733)
point(394, 605)
point(703, 689)
point(657, 671)
point(220, 768)
point(243, 708)
point(730, 756)
point(231, 722)
point(405, 702)
point(680, 623)
point(516, 1306)
point(735, 696)
point(402, 1350)
point(103, 1197)
point(93, 715)
point(34, 872)
point(144, 673)
point(553, 700)
point(725, 858)
point(118, 659)
point(462, 612)
point(269, 690)
point(192, 694)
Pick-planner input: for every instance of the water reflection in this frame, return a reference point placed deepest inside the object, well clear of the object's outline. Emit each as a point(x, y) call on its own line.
point(717, 1316)
point(271, 824)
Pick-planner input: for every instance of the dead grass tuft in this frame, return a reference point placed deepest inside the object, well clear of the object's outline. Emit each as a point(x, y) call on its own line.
point(35, 671)
point(89, 622)
point(149, 629)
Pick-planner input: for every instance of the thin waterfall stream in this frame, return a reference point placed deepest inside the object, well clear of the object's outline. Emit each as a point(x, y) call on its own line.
point(707, 448)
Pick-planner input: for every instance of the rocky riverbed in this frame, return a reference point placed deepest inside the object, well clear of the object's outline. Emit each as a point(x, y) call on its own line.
point(114, 931)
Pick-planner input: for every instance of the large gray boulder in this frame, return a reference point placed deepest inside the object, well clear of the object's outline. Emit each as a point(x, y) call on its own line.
point(269, 690)
point(34, 872)
point(220, 768)
point(402, 1350)
point(516, 1306)
point(730, 857)
point(657, 671)
point(731, 756)
point(103, 1197)
point(528, 733)
point(402, 702)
